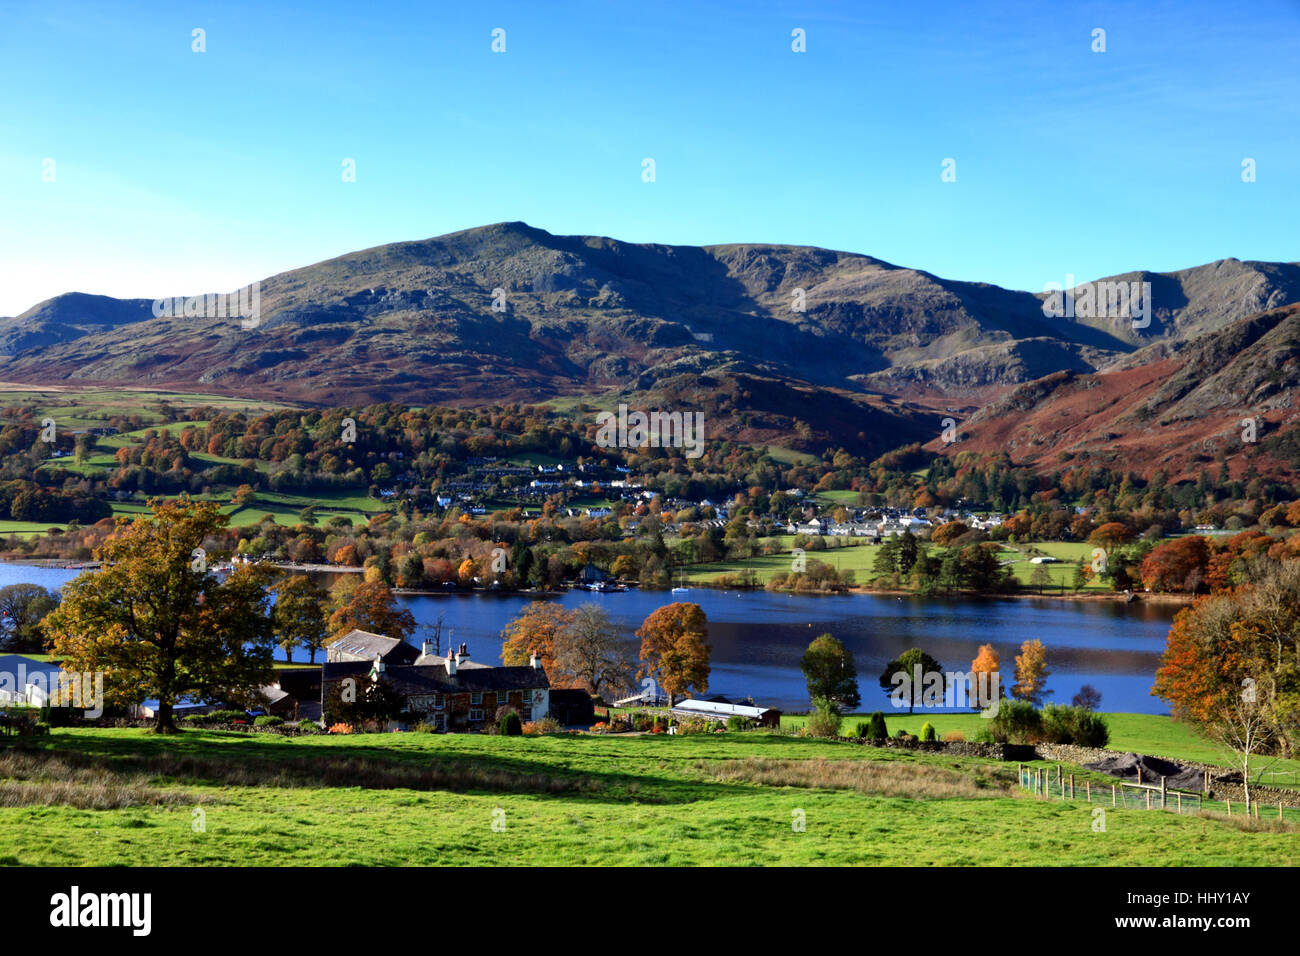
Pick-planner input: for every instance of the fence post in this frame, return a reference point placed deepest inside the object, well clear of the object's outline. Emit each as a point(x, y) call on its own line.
point(1148, 799)
point(1164, 795)
point(1279, 809)
point(1087, 790)
point(1112, 795)
point(1229, 802)
point(1180, 802)
point(1071, 786)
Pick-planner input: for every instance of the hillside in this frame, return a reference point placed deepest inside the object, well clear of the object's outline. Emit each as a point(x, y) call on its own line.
point(589, 317)
point(1171, 407)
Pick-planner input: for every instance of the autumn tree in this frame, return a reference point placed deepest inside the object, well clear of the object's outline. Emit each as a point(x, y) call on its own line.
point(1231, 665)
point(299, 615)
point(987, 662)
point(675, 648)
point(536, 630)
point(828, 667)
point(369, 606)
point(157, 622)
point(1177, 565)
point(1031, 673)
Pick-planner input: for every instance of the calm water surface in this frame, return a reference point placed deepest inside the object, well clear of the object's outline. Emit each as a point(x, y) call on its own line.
point(758, 637)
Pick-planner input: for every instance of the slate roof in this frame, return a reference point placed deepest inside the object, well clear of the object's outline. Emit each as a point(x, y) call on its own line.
point(421, 679)
point(361, 643)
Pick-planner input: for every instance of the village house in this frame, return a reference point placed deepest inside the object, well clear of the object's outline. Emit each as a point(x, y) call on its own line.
point(452, 693)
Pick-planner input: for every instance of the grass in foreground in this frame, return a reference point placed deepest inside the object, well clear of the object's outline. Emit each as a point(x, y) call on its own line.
point(733, 799)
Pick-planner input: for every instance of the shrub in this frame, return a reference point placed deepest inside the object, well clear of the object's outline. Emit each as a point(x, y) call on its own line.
point(954, 737)
point(1090, 729)
point(1017, 722)
point(546, 725)
point(226, 716)
point(983, 735)
point(694, 725)
point(266, 720)
point(736, 722)
point(510, 725)
point(340, 728)
point(308, 726)
point(877, 729)
point(825, 719)
point(1074, 725)
point(927, 732)
point(424, 727)
point(862, 729)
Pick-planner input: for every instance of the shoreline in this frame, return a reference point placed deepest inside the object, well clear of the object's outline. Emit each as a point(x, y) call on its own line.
point(1139, 597)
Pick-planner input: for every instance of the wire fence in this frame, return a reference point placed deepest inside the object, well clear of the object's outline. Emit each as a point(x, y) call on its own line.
point(1054, 784)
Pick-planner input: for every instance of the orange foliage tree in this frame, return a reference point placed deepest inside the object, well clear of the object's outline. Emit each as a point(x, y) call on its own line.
point(675, 648)
point(536, 630)
point(1031, 672)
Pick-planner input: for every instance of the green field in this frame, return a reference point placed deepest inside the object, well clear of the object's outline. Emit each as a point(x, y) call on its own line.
point(856, 558)
point(222, 799)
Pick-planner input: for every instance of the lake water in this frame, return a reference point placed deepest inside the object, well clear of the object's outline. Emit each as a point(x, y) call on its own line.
point(759, 637)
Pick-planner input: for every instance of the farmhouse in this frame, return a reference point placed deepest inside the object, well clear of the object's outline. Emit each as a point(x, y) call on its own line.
point(451, 693)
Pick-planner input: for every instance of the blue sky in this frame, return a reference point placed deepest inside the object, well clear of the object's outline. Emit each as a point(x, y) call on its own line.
point(178, 172)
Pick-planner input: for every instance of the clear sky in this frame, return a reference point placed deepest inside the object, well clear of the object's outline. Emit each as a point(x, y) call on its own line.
point(178, 172)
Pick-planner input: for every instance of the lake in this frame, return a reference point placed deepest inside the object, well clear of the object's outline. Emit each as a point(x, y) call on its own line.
point(759, 637)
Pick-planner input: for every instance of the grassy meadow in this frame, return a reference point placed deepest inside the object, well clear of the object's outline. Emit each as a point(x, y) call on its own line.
point(125, 797)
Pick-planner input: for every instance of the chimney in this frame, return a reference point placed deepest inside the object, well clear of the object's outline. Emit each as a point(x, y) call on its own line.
point(426, 649)
point(450, 663)
point(534, 663)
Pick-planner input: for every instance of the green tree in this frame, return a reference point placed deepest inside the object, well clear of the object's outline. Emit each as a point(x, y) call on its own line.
point(906, 665)
point(299, 615)
point(830, 672)
point(158, 623)
point(22, 606)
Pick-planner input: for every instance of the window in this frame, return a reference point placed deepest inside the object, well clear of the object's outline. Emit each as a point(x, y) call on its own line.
point(475, 714)
point(476, 699)
point(438, 702)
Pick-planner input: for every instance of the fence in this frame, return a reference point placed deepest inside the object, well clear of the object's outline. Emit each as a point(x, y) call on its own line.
point(1140, 796)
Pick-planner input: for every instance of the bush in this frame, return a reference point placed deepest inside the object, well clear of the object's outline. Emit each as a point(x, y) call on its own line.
point(308, 726)
point(226, 716)
point(340, 728)
point(546, 725)
point(877, 729)
point(954, 737)
point(1090, 729)
point(825, 719)
point(424, 727)
point(735, 722)
point(927, 732)
point(1074, 725)
point(266, 720)
point(1017, 722)
point(510, 725)
point(862, 729)
point(983, 735)
point(694, 725)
